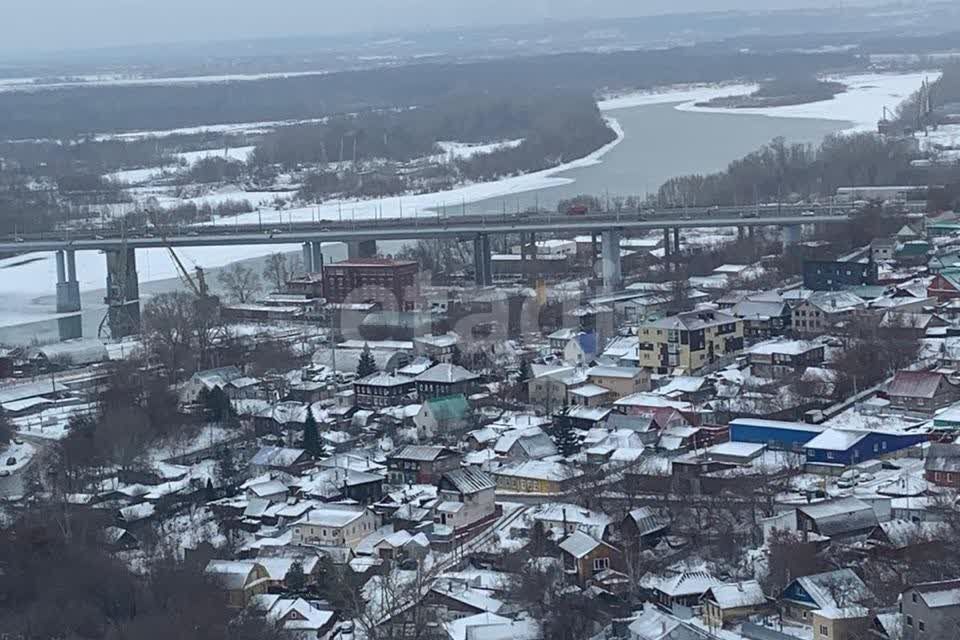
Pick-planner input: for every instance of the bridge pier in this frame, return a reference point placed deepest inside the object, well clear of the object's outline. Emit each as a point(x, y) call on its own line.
point(750, 232)
point(123, 293)
point(313, 257)
point(667, 252)
point(612, 275)
point(528, 245)
point(316, 251)
point(482, 264)
point(307, 250)
point(792, 234)
point(68, 295)
point(741, 233)
point(361, 249)
point(676, 242)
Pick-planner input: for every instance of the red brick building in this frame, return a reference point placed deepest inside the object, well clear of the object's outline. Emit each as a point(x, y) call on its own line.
point(392, 283)
point(942, 466)
point(944, 287)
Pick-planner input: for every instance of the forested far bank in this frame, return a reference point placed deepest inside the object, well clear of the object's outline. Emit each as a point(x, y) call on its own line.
point(77, 111)
point(781, 170)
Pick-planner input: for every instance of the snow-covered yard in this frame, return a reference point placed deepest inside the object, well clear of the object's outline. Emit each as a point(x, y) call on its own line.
point(21, 454)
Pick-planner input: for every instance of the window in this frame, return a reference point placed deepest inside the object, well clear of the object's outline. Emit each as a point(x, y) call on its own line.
point(599, 564)
point(920, 625)
point(804, 614)
point(909, 621)
point(824, 630)
point(913, 596)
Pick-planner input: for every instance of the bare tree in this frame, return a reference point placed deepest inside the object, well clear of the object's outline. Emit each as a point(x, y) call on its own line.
point(240, 282)
point(277, 271)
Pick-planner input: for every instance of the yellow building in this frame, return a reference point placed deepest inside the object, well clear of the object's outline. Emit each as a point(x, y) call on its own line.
point(535, 476)
point(689, 341)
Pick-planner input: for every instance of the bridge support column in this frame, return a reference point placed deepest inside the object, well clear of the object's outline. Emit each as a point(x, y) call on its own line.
point(750, 232)
point(676, 242)
point(316, 250)
point(612, 276)
point(308, 257)
point(482, 264)
point(362, 249)
point(667, 258)
point(123, 293)
point(68, 295)
point(792, 234)
point(740, 233)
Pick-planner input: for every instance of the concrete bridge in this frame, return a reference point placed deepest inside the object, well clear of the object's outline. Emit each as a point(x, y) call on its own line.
point(361, 237)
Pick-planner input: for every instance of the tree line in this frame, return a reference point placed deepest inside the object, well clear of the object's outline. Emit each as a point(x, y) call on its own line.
point(74, 111)
point(555, 128)
point(780, 170)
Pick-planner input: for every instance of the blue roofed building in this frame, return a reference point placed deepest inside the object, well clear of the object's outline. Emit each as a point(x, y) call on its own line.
point(776, 434)
point(581, 349)
point(851, 446)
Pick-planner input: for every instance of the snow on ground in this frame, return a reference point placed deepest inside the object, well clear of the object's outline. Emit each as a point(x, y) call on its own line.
point(470, 149)
point(678, 93)
point(410, 206)
point(230, 153)
point(250, 128)
point(861, 105)
point(116, 80)
point(22, 454)
point(142, 176)
point(51, 423)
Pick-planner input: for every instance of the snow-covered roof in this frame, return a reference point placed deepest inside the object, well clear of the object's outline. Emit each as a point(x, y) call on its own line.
point(681, 384)
point(280, 457)
point(593, 414)
point(693, 320)
point(490, 626)
point(578, 544)
point(736, 449)
point(539, 470)
point(836, 517)
point(446, 373)
point(939, 594)
point(736, 595)
point(785, 347)
point(440, 342)
point(334, 516)
point(614, 372)
point(383, 379)
point(469, 480)
point(835, 301)
point(836, 439)
point(825, 588)
point(652, 400)
point(589, 391)
point(686, 583)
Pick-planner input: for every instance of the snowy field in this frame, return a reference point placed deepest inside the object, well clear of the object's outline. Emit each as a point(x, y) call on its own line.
point(27, 283)
point(141, 176)
point(112, 80)
point(861, 105)
point(22, 454)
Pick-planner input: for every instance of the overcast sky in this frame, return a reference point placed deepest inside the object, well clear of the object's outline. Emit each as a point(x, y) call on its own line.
point(33, 25)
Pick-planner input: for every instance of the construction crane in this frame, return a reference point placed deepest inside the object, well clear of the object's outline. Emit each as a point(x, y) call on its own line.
point(198, 286)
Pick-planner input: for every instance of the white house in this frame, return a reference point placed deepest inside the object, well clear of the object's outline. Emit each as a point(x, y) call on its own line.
point(467, 498)
point(335, 525)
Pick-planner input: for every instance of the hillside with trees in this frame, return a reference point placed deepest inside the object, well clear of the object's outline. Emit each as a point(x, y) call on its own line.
point(780, 170)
